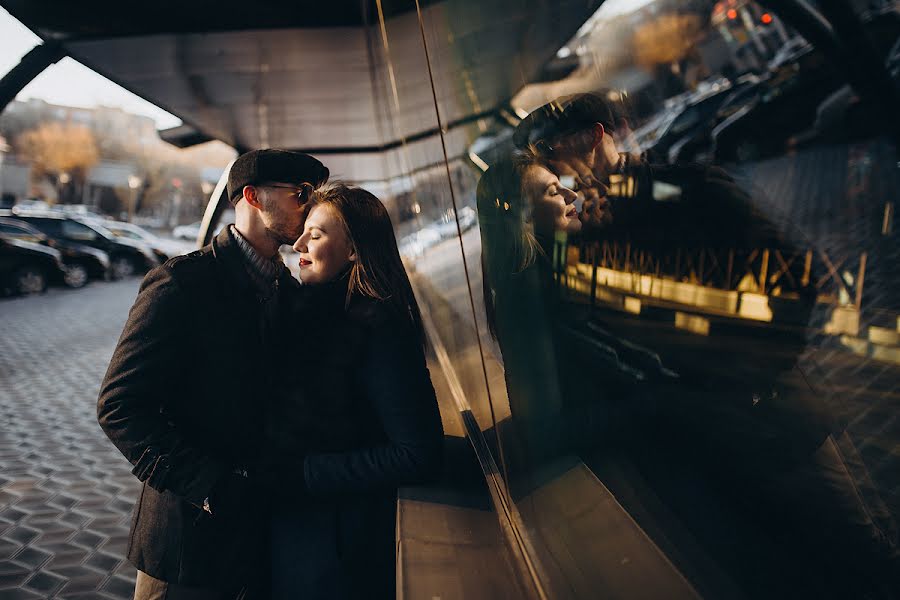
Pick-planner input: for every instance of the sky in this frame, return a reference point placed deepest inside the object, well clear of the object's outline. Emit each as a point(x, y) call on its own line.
point(68, 82)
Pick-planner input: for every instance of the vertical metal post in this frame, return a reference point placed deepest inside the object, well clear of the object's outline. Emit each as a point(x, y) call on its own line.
point(807, 268)
point(860, 279)
point(764, 270)
point(730, 267)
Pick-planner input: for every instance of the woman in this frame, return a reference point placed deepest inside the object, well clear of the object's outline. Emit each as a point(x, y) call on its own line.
point(359, 418)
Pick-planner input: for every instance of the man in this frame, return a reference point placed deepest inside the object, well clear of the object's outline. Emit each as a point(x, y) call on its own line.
point(185, 394)
point(767, 425)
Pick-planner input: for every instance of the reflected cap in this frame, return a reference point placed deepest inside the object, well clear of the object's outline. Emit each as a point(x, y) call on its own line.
point(269, 166)
point(563, 116)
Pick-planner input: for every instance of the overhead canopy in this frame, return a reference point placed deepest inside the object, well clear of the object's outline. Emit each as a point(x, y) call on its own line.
point(325, 77)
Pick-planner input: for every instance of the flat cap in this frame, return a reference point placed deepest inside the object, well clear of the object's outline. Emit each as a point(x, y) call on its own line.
point(563, 116)
point(274, 166)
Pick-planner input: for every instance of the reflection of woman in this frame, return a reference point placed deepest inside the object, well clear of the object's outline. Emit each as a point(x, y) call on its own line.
point(522, 209)
point(361, 410)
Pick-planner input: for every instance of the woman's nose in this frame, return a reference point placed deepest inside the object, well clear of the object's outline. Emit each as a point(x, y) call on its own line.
point(568, 195)
point(300, 244)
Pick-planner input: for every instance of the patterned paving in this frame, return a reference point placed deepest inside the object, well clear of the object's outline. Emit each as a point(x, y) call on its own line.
point(65, 492)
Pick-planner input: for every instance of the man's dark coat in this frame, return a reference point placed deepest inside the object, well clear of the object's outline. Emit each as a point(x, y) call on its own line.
point(183, 400)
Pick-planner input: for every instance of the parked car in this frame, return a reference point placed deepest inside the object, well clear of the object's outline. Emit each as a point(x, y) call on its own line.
point(127, 257)
point(696, 144)
point(187, 232)
point(786, 106)
point(83, 263)
point(28, 267)
point(164, 251)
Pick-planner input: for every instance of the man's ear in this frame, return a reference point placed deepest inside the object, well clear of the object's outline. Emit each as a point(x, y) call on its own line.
point(251, 195)
point(598, 132)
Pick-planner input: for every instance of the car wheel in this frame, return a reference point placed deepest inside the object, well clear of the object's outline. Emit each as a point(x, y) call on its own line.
point(76, 275)
point(29, 280)
point(122, 267)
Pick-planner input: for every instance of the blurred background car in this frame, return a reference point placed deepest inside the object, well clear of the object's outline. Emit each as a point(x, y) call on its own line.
point(127, 256)
point(28, 267)
point(83, 263)
point(187, 232)
point(164, 249)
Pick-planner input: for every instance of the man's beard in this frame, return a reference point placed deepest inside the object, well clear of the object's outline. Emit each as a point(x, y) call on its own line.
point(278, 234)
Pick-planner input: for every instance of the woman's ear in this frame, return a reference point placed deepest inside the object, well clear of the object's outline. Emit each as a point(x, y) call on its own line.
point(352, 257)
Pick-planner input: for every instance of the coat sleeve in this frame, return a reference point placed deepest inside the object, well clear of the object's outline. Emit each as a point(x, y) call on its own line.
point(148, 359)
point(396, 382)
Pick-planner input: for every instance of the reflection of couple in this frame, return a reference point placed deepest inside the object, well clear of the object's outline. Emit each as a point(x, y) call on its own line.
point(271, 423)
point(574, 383)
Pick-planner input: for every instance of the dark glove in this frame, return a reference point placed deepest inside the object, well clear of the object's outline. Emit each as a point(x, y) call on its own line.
point(230, 497)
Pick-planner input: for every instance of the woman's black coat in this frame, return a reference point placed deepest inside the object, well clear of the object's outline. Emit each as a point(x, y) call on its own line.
point(357, 417)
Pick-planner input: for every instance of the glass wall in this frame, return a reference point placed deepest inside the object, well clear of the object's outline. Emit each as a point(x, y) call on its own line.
point(656, 249)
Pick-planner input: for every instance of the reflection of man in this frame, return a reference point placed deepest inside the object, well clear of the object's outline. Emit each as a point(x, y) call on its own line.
point(778, 429)
point(183, 396)
point(576, 135)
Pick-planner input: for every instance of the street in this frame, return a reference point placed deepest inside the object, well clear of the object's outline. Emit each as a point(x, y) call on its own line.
point(65, 491)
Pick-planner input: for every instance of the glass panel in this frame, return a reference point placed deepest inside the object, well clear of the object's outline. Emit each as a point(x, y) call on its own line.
point(425, 199)
point(686, 223)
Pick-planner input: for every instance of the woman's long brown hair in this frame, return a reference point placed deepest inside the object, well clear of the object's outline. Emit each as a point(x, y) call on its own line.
point(378, 271)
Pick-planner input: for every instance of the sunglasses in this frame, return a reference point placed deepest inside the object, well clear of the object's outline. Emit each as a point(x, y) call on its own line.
point(303, 192)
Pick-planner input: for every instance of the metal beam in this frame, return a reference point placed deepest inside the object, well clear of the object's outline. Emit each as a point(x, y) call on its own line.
point(32, 64)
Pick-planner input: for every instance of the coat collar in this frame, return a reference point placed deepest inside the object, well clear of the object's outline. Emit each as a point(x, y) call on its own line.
point(228, 254)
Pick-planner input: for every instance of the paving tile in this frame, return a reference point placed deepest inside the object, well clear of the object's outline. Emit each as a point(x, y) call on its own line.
point(68, 558)
point(119, 587)
point(104, 562)
point(19, 594)
point(32, 557)
point(12, 514)
point(63, 501)
point(86, 596)
point(75, 519)
point(10, 567)
point(54, 537)
point(45, 583)
point(85, 583)
point(88, 539)
point(13, 580)
point(20, 534)
point(127, 570)
point(8, 547)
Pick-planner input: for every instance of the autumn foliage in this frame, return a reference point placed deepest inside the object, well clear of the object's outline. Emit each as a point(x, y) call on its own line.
point(53, 148)
point(666, 40)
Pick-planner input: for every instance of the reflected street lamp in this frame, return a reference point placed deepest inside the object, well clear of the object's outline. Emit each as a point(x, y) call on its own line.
point(134, 182)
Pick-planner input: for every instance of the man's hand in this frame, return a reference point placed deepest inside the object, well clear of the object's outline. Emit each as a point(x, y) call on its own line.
point(595, 212)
